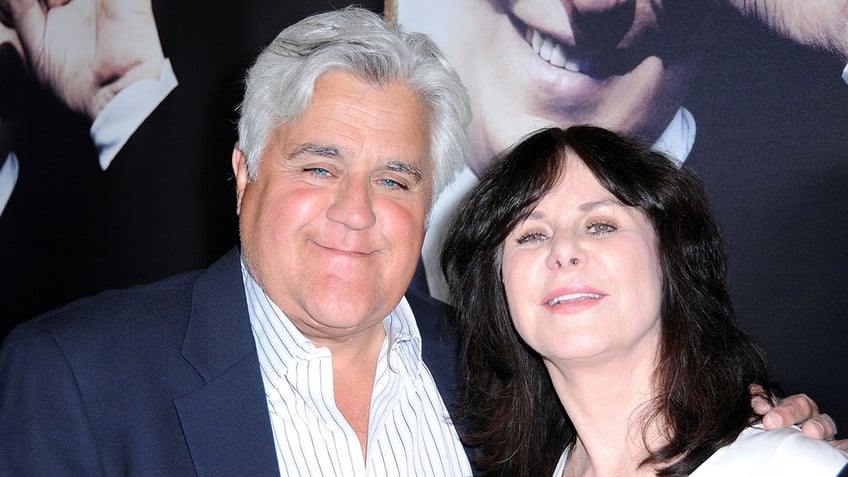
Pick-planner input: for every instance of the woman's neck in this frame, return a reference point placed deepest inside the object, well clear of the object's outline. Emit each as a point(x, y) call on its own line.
point(609, 405)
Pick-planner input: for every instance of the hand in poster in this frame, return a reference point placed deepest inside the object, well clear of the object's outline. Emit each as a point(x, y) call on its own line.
point(86, 50)
point(821, 24)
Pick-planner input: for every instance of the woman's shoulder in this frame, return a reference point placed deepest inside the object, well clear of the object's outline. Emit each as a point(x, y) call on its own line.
point(779, 452)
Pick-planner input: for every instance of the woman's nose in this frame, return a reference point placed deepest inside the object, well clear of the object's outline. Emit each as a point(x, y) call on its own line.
point(565, 253)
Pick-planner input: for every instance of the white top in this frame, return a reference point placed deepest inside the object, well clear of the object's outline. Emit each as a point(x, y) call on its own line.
point(409, 430)
point(779, 453)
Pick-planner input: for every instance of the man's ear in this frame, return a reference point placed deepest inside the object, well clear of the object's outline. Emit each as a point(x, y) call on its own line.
point(240, 172)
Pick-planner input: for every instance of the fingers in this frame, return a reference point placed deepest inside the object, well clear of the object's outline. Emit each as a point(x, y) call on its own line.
point(6, 14)
point(792, 410)
point(11, 10)
point(761, 405)
point(799, 409)
point(28, 18)
point(760, 402)
point(822, 27)
point(9, 35)
point(819, 427)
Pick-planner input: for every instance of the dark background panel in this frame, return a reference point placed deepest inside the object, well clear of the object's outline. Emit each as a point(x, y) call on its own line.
point(772, 119)
point(167, 202)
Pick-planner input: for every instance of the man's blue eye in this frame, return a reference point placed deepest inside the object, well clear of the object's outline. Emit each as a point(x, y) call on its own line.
point(391, 183)
point(319, 171)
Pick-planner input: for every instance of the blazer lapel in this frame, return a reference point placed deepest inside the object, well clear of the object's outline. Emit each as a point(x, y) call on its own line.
point(226, 421)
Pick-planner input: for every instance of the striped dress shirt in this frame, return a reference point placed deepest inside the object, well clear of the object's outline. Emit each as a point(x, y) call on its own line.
point(409, 430)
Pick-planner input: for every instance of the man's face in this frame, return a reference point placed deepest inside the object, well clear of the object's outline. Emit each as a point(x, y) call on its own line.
point(333, 225)
point(529, 64)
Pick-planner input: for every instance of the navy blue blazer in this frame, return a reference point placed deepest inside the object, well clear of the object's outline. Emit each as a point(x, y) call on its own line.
point(160, 379)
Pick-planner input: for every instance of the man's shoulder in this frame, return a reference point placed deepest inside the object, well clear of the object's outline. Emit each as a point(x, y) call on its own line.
point(111, 307)
point(152, 308)
point(113, 323)
point(431, 315)
point(439, 343)
point(425, 302)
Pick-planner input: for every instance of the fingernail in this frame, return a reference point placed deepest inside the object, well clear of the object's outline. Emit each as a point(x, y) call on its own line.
point(772, 420)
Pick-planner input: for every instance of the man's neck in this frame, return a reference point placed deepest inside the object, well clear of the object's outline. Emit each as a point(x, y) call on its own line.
point(353, 386)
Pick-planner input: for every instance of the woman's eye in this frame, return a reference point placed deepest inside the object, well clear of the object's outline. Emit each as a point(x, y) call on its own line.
point(601, 228)
point(531, 237)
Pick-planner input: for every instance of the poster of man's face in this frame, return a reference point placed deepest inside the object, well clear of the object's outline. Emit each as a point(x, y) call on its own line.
point(756, 114)
point(532, 63)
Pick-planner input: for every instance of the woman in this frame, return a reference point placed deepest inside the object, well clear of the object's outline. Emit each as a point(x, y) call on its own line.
point(602, 256)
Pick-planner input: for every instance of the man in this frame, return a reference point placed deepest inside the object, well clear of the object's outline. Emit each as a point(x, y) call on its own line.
point(301, 355)
point(348, 130)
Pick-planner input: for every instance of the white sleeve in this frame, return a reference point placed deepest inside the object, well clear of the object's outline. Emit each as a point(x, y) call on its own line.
point(122, 115)
point(8, 178)
point(782, 452)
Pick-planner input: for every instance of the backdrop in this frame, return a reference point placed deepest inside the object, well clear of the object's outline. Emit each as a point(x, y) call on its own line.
point(166, 203)
point(764, 124)
point(760, 118)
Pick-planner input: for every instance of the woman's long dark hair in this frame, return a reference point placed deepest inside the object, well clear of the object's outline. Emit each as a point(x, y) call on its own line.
point(510, 411)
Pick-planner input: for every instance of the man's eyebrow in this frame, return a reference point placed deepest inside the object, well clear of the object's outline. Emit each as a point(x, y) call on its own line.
point(312, 149)
point(322, 150)
point(406, 168)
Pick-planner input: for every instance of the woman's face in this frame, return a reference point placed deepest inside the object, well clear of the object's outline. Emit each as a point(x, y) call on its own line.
point(582, 275)
point(528, 64)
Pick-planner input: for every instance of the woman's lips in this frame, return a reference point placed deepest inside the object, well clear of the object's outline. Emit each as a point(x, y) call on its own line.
point(573, 297)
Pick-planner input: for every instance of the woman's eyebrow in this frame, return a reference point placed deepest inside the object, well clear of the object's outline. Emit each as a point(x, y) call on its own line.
point(596, 204)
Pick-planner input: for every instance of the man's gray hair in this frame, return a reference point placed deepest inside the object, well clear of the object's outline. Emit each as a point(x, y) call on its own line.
point(279, 85)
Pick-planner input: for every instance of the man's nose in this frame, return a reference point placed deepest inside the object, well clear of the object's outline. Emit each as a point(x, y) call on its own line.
point(353, 206)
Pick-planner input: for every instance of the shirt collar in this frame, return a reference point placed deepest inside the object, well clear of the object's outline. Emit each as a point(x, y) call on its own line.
point(8, 178)
point(272, 328)
point(679, 136)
